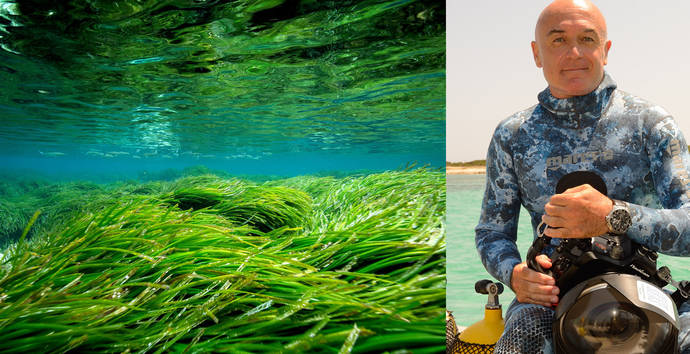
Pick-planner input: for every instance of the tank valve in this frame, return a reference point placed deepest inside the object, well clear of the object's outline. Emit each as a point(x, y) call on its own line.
point(487, 287)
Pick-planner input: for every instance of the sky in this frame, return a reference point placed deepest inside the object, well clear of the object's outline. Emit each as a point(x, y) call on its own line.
point(491, 72)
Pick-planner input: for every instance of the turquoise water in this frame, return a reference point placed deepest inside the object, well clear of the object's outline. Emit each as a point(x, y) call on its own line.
point(464, 268)
point(307, 122)
point(114, 90)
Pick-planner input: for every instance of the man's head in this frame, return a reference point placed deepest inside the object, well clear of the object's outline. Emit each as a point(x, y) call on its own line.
point(571, 46)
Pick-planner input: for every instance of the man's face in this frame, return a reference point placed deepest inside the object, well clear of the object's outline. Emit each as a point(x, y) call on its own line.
point(572, 49)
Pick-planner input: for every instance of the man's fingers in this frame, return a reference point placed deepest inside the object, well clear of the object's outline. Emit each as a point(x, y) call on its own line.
point(532, 276)
point(562, 228)
point(540, 288)
point(556, 233)
point(544, 261)
point(559, 227)
point(553, 221)
point(555, 209)
point(565, 232)
point(542, 292)
point(538, 278)
point(543, 295)
point(577, 189)
point(534, 287)
point(570, 195)
point(564, 199)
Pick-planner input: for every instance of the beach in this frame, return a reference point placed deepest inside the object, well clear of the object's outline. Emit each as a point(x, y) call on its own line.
point(465, 170)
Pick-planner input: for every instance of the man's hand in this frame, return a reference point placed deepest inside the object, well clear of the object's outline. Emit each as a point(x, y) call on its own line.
point(533, 287)
point(579, 212)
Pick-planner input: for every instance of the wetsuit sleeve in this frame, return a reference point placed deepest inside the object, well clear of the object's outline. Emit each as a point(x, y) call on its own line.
point(496, 233)
point(666, 230)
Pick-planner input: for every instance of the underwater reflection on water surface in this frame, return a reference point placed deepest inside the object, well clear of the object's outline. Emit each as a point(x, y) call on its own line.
point(230, 82)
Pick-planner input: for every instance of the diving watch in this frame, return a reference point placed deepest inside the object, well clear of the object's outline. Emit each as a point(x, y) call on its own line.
point(619, 219)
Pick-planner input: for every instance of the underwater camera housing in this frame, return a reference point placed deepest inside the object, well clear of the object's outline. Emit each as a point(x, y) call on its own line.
point(576, 260)
point(611, 299)
point(616, 313)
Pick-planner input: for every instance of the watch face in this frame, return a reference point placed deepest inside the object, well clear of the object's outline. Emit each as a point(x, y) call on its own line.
point(620, 221)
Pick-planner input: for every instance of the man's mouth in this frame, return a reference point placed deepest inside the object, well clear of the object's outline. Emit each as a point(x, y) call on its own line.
point(574, 69)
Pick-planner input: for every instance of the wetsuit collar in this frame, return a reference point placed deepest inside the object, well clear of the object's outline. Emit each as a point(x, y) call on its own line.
point(577, 110)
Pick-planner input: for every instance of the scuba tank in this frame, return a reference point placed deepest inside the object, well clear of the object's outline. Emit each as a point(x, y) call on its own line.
point(481, 337)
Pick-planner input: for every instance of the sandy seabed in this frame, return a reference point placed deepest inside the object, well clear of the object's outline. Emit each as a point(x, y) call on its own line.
point(459, 170)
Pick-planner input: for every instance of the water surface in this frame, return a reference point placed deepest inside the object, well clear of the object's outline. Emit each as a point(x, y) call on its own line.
point(256, 87)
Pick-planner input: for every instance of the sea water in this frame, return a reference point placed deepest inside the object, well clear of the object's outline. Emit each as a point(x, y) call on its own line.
point(465, 193)
point(119, 95)
point(124, 90)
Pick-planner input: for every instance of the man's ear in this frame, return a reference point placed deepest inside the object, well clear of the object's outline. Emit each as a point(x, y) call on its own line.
point(535, 52)
point(607, 46)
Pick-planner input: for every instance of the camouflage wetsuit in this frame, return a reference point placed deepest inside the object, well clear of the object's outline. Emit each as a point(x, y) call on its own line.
point(635, 146)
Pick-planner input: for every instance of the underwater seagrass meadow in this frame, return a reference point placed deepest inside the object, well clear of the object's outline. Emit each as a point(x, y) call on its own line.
point(222, 176)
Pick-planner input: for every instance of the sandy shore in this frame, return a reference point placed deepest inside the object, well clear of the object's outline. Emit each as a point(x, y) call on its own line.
point(457, 170)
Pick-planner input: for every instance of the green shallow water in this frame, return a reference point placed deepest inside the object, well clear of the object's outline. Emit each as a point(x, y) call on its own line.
point(464, 200)
point(228, 84)
point(222, 176)
point(465, 193)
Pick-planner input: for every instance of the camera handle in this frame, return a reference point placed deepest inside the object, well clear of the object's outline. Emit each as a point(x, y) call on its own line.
point(536, 249)
point(570, 180)
point(682, 293)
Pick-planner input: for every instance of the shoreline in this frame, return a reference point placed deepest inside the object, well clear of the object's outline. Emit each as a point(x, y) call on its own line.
point(462, 170)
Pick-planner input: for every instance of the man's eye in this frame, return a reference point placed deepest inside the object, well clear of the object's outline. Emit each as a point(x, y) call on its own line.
point(559, 40)
point(588, 39)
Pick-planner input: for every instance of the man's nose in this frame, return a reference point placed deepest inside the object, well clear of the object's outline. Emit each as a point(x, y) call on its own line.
point(574, 51)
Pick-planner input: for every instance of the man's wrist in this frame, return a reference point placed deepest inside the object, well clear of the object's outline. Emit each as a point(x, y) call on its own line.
point(619, 219)
point(510, 277)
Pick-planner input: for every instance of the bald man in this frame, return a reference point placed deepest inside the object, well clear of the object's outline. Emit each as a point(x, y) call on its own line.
point(581, 123)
